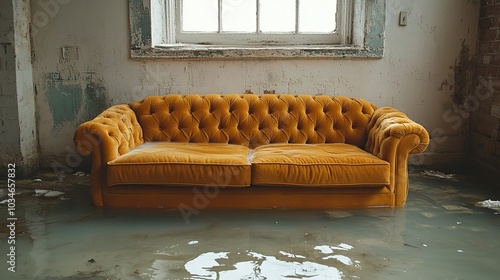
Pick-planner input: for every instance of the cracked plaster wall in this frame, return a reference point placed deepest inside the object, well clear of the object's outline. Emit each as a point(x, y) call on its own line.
point(416, 74)
point(18, 132)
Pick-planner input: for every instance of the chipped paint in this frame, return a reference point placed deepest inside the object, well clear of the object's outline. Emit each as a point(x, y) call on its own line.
point(18, 130)
point(375, 27)
point(75, 100)
point(140, 24)
point(249, 52)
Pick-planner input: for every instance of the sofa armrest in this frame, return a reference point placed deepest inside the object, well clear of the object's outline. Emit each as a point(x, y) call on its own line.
point(112, 133)
point(388, 125)
point(392, 136)
point(109, 135)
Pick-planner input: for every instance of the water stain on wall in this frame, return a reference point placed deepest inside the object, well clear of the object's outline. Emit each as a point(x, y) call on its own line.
point(75, 100)
point(464, 68)
point(96, 99)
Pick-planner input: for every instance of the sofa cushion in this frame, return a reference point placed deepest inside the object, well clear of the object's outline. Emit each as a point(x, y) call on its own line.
point(317, 165)
point(182, 164)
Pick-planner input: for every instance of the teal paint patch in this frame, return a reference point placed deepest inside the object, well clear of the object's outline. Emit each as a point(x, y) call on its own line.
point(65, 100)
point(95, 100)
point(140, 25)
point(77, 100)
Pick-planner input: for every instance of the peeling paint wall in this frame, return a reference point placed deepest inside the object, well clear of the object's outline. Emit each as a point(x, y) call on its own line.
point(417, 59)
point(18, 132)
point(74, 100)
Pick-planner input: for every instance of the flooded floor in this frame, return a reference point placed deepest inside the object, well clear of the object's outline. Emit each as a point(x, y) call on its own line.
point(440, 234)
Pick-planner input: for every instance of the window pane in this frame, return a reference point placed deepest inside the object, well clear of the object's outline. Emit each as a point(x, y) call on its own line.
point(239, 15)
point(317, 16)
point(200, 15)
point(277, 15)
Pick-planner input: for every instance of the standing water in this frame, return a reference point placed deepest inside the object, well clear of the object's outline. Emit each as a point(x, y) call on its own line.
point(441, 233)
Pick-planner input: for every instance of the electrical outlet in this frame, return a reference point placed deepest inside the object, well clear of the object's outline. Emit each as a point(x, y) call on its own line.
point(403, 18)
point(495, 110)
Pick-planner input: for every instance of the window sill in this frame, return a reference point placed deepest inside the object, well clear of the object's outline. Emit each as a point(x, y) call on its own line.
point(225, 52)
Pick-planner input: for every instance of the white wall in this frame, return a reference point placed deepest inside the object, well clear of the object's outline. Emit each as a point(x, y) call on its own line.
point(18, 135)
point(416, 75)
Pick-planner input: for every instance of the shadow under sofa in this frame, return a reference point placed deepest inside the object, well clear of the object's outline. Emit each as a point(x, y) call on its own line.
point(250, 151)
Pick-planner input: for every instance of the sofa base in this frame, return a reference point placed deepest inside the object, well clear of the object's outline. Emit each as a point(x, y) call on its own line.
point(195, 199)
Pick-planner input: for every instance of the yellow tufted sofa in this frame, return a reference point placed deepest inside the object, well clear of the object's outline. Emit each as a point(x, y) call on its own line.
point(250, 151)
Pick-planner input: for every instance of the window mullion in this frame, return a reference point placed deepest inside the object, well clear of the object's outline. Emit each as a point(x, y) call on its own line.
point(257, 17)
point(220, 16)
point(219, 37)
point(343, 20)
point(172, 17)
point(357, 23)
point(297, 4)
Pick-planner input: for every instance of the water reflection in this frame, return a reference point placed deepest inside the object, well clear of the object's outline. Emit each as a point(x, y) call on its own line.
point(252, 265)
point(280, 245)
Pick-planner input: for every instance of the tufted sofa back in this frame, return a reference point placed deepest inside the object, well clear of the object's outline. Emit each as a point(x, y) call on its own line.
point(253, 120)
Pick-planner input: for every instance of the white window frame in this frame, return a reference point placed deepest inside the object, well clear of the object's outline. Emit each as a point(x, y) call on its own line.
point(151, 38)
point(341, 36)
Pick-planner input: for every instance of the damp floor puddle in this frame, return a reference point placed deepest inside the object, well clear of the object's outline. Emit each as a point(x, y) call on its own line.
point(441, 233)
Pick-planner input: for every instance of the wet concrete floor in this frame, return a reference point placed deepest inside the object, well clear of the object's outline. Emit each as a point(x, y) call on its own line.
point(440, 234)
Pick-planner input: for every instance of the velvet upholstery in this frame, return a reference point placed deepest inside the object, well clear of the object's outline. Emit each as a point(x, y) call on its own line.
point(182, 164)
point(253, 120)
point(317, 165)
point(375, 143)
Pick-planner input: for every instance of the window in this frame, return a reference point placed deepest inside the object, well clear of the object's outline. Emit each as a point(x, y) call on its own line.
point(239, 29)
point(261, 22)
